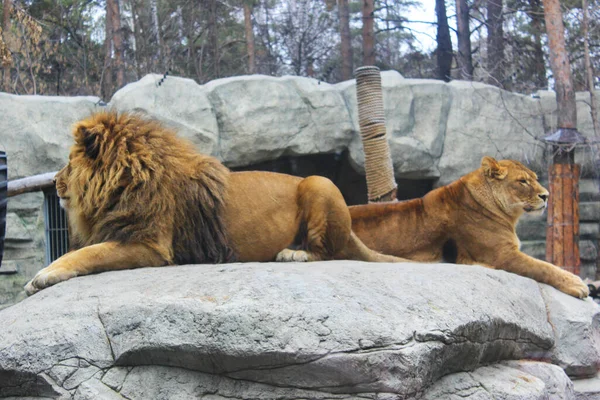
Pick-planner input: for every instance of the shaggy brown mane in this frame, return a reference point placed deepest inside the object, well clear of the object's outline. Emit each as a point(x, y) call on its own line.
point(139, 183)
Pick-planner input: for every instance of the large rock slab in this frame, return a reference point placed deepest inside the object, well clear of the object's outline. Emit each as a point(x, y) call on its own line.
point(309, 330)
point(180, 103)
point(261, 118)
point(35, 130)
point(485, 120)
point(576, 326)
point(416, 112)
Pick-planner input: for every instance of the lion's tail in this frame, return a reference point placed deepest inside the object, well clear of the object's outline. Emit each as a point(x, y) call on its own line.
point(357, 250)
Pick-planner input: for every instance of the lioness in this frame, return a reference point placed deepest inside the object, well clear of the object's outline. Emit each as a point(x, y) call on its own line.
point(138, 196)
point(472, 220)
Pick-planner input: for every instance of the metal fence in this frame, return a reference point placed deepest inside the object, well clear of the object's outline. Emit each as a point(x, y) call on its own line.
point(55, 226)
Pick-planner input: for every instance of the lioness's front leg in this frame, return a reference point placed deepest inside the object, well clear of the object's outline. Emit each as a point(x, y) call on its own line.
point(92, 259)
point(544, 272)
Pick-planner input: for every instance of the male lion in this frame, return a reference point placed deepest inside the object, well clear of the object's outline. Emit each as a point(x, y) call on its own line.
point(138, 196)
point(471, 220)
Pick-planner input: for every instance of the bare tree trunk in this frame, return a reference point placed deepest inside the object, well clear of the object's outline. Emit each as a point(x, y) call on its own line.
point(444, 42)
point(345, 39)
point(561, 67)
point(562, 233)
point(589, 69)
point(249, 36)
point(156, 30)
point(214, 38)
point(465, 61)
point(495, 43)
point(269, 40)
point(6, 8)
point(192, 66)
point(537, 20)
point(107, 76)
point(310, 68)
point(388, 44)
point(368, 33)
point(117, 38)
point(137, 42)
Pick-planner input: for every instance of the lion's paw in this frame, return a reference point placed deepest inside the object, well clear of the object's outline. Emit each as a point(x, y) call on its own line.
point(573, 285)
point(47, 277)
point(288, 255)
point(30, 289)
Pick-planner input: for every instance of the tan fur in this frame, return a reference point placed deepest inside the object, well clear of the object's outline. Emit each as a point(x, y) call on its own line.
point(136, 195)
point(476, 217)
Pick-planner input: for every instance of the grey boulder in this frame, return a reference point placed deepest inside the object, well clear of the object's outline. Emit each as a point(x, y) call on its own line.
point(318, 330)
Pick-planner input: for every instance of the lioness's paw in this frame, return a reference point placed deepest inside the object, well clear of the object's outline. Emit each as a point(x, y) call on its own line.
point(287, 255)
point(573, 285)
point(47, 277)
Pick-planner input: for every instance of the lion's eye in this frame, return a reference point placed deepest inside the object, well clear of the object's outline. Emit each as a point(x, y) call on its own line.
point(523, 181)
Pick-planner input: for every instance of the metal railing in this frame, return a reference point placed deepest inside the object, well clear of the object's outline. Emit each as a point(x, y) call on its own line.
point(56, 228)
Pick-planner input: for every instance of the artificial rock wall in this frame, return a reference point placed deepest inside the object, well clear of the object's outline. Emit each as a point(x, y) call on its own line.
point(437, 131)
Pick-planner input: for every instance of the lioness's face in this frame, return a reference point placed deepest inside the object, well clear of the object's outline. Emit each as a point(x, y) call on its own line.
point(62, 189)
point(515, 186)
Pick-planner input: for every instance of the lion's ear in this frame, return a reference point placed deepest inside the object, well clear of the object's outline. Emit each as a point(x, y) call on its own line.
point(89, 140)
point(493, 169)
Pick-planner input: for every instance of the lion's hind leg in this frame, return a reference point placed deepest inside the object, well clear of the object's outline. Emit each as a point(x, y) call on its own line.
point(327, 227)
point(325, 220)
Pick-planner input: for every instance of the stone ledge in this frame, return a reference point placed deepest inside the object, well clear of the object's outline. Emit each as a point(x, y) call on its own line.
point(338, 327)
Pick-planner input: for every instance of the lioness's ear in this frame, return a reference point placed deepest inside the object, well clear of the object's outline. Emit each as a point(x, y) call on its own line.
point(492, 169)
point(88, 139)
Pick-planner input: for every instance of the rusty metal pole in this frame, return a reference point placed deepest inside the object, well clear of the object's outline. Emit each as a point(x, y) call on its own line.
point(562, 233)
point(379, 169)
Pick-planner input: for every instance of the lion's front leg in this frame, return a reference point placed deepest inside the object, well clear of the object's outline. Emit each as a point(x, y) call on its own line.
point(544, 272)
point(96, 258)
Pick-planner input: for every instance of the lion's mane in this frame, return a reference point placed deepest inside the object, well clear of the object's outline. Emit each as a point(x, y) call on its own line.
point(130, 179)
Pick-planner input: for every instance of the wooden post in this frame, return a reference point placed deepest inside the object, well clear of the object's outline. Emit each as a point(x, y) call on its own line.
point(563, 223)
point(562, 234)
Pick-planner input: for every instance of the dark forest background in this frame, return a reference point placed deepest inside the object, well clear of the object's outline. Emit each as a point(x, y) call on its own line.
point(90, 47)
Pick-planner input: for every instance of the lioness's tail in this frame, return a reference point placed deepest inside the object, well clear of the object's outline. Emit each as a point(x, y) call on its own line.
point(357, 250)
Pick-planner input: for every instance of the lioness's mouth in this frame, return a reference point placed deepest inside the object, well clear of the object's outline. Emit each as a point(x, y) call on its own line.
point(529, 208)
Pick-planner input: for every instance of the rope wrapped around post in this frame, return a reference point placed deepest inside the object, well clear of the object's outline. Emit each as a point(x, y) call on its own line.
point(381, 185)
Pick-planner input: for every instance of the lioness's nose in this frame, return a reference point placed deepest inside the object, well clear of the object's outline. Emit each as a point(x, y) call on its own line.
point(543, 196)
